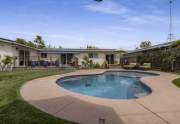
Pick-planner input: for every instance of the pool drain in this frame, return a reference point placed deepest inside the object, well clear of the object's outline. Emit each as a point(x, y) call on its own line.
point(102, 121)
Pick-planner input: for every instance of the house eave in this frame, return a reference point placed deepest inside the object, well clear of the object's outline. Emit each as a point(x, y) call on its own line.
point(16, 44)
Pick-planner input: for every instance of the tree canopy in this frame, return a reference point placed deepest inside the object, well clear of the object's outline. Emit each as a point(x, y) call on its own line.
point(37, 43)
point(21, 41)
point(91, 47)
point(98, 0)
point(176, 44)
point(145, 44)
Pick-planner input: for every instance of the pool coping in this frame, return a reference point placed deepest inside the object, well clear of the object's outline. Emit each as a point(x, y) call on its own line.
point(111, 70)
point(49, 97)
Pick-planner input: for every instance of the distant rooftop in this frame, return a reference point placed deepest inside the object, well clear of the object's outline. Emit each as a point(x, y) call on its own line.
point(153, 47)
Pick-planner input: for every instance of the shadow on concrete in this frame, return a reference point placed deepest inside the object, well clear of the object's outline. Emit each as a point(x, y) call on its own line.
point(73, 109)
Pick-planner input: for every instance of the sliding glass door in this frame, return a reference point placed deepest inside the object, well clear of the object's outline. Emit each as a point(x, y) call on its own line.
point(24, 58)
point(66, 58)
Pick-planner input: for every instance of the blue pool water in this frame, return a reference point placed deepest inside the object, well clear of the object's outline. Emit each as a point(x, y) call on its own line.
point(112, 85)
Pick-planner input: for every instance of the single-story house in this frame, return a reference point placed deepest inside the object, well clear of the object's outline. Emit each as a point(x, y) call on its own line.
point(27, 56)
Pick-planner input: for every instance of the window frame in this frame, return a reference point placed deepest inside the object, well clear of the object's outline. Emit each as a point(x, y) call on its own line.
point(93, 55)
point(43, 55)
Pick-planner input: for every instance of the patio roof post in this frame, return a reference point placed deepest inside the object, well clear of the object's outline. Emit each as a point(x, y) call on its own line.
point(66, 59)
point(24, 58)
point(59, 60)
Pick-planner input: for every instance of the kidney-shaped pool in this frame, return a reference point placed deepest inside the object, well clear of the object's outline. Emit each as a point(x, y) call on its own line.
point(111, 85)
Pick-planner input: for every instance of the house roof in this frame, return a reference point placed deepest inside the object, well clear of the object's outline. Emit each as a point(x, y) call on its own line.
point(163, 45)
point(71, 50)
point(15, 43)
point(59, 50)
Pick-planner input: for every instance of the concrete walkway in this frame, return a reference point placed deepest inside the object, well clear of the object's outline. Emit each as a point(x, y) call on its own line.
point(162, 106)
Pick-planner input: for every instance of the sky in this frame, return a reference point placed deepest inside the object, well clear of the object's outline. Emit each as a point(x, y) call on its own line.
point(78, 23)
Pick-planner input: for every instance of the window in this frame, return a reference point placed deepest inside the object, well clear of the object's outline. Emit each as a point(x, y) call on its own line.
point(43, 55)
point(93, 55)
point(90, 55)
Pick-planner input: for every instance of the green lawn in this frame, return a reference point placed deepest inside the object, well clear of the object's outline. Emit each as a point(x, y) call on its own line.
point(13, 109)
point(177, 81)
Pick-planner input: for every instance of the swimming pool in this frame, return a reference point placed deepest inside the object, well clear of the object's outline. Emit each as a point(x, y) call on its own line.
point(111, 85)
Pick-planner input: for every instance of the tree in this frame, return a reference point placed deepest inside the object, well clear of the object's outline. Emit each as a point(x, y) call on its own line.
point(39, 42)
point(7, 61)
point(176, 44)
point(24, 42)
point(137, 48)
point(0, 63)
point(145, 44)
point(31, 44)
point(49, 46)
point(98, 0)
point(21, 41)
point(60, 47)
point(91, 47)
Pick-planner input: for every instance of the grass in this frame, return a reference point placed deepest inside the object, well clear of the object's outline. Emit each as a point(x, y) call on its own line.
point(177, 81)
point(13, 109)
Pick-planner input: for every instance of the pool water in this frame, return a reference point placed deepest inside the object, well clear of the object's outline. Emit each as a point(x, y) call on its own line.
point(112, 85)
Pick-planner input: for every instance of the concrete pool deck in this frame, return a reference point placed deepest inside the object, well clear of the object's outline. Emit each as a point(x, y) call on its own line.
point(162, 106)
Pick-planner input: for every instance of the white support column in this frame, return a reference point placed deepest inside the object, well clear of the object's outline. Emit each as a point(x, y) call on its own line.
point(66, 59)
point(24, 58)
point(60, 60)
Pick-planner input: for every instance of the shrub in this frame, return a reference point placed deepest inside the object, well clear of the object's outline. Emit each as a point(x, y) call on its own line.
point(163, 59)
point(7, 61)
point(104, 65)
point(87, 63)
point(176, 44)
point(115, 62)
point(97, 65)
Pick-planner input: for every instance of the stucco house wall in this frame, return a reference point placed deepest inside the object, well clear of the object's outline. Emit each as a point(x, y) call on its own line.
point(8, 50)
point(80, 57)
point(117, 57)
point(101, 58)
point(34, 54)
point(51, 57)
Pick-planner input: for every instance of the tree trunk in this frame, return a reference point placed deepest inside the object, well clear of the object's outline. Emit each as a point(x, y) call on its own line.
point(3, 68)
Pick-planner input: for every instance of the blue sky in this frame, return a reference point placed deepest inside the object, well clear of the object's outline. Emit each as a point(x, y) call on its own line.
point(76, 23)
